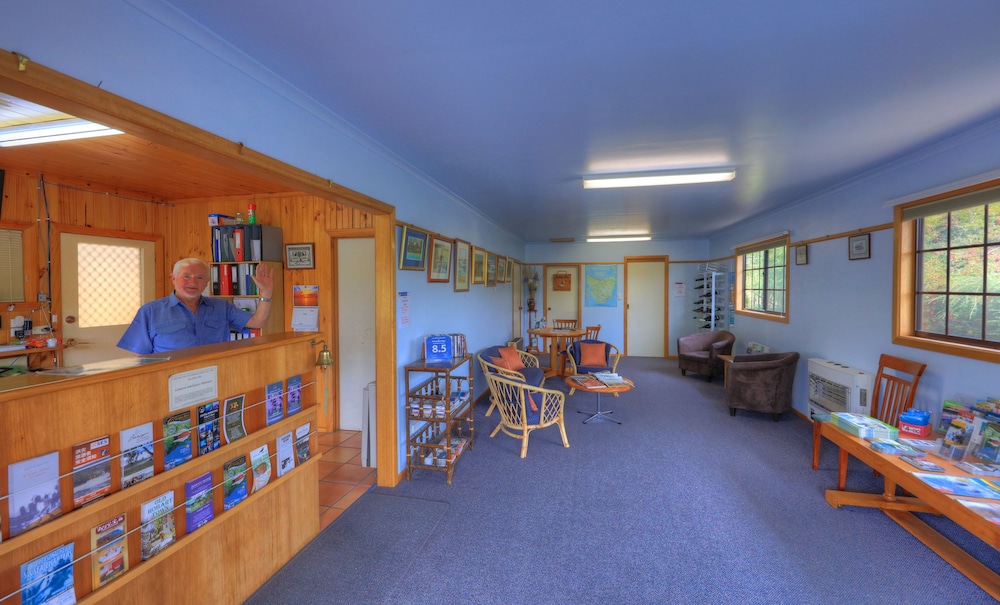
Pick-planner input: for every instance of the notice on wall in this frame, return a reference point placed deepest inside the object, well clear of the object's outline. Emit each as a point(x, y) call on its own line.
point(403, 310)
point(196, 386)
point(679, 288)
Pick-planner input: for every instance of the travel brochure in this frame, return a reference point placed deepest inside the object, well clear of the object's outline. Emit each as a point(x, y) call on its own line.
point(91, 471)
point(971, 487)
point(234, 419)
point(208, 427)
point(33, 486)
point(48, 579)
point(137, 454)
point(109, 550)
point(198, 504)
point(234, 482)
point(176, 439)
point(273, 401)
point(157, 530)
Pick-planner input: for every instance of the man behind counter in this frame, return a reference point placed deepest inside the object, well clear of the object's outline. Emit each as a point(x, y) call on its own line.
point(187, 319)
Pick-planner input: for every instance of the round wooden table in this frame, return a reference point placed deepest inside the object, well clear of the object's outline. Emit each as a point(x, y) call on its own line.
point(558, 341)
point(598, 413)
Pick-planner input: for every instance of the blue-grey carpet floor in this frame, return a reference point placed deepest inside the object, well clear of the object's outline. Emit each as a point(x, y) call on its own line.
point(680, 504)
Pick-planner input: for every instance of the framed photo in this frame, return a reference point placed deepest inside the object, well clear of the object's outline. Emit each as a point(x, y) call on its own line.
point(478, 265)
point(859, 246)
point(413, 249)
point(299, 256)
point(491, 269)
point(439, 269)
point(501, 269)
point(463, 261)
point(510, 270)
point(802, 255)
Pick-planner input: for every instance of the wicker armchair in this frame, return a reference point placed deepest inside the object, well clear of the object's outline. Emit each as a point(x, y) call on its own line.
point(531, 373)
point(524, 408)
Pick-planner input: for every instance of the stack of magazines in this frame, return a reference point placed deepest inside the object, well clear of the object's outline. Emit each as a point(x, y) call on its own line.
point(611, 379)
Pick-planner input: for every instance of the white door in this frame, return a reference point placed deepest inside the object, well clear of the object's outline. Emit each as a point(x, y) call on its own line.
point(104, 282)
point(562, 304)
point(645, 307)
point(355, 326)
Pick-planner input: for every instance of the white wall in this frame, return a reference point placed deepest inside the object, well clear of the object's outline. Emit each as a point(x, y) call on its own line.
point(841, 309)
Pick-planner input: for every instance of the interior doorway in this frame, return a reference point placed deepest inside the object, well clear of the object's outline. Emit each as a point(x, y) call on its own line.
point(646, 306)
point(355, 306)
point(562, 299)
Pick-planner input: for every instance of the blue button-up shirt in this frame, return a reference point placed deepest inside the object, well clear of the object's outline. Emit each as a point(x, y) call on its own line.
point(166, 324)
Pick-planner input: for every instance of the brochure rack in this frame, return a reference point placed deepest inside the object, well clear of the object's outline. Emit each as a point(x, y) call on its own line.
point(438, 414)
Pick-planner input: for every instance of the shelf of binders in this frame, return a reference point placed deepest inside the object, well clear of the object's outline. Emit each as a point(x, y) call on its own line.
point(237, 251)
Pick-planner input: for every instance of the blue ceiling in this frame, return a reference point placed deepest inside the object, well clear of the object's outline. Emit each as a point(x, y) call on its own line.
point(508, 104)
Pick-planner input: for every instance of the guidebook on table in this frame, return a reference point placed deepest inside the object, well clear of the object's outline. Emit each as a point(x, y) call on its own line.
point(972, 487)
point(588, 382)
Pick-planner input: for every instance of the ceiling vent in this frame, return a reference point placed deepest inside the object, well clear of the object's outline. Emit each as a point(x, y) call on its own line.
point(561, 240)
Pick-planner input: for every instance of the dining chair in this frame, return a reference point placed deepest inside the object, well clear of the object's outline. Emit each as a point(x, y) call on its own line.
point(563, 324)
point(592, 332)
point(895, 387)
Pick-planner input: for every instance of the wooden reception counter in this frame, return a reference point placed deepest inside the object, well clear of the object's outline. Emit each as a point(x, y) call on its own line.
point(222, 561)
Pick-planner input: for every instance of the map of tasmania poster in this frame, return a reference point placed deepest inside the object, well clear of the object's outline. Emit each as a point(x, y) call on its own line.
point(601, 286)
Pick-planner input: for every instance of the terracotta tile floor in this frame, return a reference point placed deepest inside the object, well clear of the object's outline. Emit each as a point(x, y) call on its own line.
point(342, 479)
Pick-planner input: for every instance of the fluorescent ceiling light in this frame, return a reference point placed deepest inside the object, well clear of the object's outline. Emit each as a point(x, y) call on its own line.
point(623, 238)
point(55, 130)
point(653, 179)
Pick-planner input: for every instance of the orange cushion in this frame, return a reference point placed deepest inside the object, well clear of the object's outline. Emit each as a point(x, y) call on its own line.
point(511, 357)
point(592, 354)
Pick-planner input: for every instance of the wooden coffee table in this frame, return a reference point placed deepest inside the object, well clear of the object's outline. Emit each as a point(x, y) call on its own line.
point(598, 413)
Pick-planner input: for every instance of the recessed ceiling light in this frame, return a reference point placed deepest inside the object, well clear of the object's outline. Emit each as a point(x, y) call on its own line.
point(55, 130)
point(623, 238)
point(659, 178)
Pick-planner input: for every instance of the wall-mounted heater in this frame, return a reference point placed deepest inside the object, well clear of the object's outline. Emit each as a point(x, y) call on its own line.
point(834, 387)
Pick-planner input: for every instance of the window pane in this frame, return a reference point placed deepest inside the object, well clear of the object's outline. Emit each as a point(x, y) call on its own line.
point(993, 223)
point(967, 226)
point(932, 275)
point(109, 284)
point(931, 313)
point(993, 318)
point(933, 232)
point(965, 316)
point(966, 270)
point(993, 270)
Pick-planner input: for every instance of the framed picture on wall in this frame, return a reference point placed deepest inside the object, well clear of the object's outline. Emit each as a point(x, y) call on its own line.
point(463, 259)
point(412, 249)
point(478, 265)
point(501, 269)
point(510, 270)
point(299, 256)
point(439, 269)
point(802, 255)
point(491, 269)
point(859, 246)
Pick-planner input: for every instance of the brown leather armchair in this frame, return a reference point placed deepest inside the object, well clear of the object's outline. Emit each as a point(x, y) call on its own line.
point(761, 383)
point(700, 352)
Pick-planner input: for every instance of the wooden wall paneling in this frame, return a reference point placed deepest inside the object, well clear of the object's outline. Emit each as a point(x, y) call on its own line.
point(278, 520)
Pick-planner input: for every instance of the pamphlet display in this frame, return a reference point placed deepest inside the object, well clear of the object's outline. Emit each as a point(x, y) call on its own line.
point(109, 548)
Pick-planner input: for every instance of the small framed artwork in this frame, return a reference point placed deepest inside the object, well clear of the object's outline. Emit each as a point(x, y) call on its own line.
point(439, 269)
point(463, 259)
point(802, 255)
point(299, 256)
point(859, 246)
point(510, 270)
point(478, 265)
point(501, 269)
point(413, 249)
point(491, 269)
